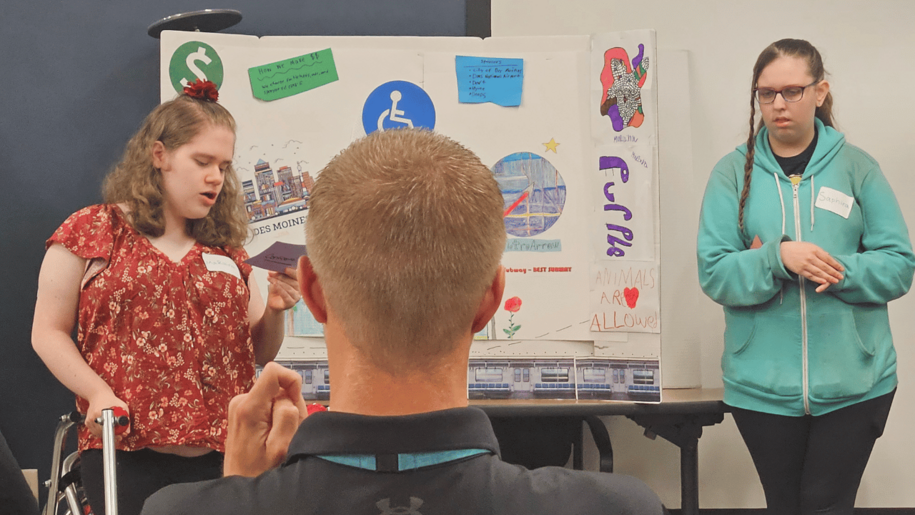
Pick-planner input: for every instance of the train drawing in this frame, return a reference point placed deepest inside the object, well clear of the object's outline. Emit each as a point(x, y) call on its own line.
point(564, 378)
point(631, 380)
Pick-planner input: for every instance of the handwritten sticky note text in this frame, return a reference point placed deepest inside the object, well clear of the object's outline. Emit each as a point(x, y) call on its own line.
point(485, 79)
point(293, 76)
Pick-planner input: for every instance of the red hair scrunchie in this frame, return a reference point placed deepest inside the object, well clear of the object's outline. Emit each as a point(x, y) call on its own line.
point(202, 90)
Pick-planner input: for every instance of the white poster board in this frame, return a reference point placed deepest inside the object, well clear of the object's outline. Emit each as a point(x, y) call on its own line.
point(559, 161)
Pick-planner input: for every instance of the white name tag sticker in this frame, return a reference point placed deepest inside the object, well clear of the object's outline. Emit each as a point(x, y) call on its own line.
point(217, 263)
point(835, 201)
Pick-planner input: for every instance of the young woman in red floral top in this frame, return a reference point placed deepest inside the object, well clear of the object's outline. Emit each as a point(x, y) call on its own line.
point(170, 322)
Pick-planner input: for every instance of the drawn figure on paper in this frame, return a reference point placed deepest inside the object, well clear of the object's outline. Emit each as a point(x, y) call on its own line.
point(632, 296)
point(512, 305)
point(534, 193)
point(622, 87)
point(274, 193)
point(394, 114)
point(395, 105)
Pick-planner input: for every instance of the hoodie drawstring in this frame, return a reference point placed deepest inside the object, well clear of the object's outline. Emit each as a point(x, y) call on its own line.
point(780, 199)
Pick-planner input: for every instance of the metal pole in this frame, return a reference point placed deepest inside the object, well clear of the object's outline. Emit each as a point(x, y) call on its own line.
point(108, 457)
point(53, 484)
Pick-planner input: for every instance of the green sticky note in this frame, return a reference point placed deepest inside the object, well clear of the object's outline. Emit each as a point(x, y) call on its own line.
point(293, 76)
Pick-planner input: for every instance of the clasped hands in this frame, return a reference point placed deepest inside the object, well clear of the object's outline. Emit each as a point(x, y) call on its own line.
point(811, 262)
point(263, 421)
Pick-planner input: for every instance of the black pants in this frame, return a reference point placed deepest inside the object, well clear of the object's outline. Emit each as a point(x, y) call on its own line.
point(15, 495)
point(813, 464)
point(142, 473)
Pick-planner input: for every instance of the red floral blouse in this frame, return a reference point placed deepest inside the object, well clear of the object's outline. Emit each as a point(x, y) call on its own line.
point(171, 338)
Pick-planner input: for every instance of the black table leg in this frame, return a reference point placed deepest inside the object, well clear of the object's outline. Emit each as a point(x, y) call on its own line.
point(684, 432)
point(602, 442)
point(689, 477)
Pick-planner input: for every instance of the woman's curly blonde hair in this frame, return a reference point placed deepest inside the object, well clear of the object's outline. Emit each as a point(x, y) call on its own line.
point(138, 184)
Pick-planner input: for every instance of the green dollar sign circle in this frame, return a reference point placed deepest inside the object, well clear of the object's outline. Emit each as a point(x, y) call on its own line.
point(194, 60)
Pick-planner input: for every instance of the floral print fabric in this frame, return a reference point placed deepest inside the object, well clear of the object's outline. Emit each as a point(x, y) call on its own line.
point(172, 339)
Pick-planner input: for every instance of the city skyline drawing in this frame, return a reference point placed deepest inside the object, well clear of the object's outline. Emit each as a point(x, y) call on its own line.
point(268, 193)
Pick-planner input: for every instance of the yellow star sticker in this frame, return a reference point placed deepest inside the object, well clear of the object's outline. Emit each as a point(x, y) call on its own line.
point(551, 146)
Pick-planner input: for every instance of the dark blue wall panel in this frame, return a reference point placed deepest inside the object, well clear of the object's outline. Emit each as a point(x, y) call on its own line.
point(76, 79)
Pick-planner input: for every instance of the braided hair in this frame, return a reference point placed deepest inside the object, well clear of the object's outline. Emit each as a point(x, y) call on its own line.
point(781, 48)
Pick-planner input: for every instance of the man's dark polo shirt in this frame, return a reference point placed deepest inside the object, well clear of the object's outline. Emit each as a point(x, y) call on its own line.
point(480, 484)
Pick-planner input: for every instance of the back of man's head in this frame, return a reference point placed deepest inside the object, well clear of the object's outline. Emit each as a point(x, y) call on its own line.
point(405, 234)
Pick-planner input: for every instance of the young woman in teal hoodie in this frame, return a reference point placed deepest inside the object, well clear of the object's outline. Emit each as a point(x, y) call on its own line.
point(802, 241)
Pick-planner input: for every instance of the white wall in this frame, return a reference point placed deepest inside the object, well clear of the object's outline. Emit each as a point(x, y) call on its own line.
point(869, 50)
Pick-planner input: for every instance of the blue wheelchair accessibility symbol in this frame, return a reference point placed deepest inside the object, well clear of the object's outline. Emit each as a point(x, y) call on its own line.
point(395, 105)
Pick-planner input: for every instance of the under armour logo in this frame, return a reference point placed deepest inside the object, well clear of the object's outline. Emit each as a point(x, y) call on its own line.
point(385, 506)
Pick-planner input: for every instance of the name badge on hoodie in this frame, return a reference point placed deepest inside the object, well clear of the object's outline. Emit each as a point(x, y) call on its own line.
point(217, 263)
point(835, 201)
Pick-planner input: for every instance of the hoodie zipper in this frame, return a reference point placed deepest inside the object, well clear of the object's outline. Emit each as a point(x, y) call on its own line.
point(797, 235)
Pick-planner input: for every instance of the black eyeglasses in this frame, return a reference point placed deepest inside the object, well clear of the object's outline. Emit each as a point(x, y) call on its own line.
point(790, 94)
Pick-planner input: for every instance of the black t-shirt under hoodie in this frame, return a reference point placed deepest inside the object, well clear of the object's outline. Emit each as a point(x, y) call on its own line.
point(795, 165)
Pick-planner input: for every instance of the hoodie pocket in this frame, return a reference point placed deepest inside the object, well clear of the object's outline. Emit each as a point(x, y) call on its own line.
point(763, 352)
point(841, 354)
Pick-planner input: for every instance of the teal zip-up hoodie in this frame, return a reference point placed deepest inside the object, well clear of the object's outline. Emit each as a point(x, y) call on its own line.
point(787, 349)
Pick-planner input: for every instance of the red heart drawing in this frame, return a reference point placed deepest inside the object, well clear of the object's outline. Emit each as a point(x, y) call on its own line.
point(632, 296)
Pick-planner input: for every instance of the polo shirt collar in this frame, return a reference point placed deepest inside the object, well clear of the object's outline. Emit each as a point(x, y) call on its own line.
point(328, 433)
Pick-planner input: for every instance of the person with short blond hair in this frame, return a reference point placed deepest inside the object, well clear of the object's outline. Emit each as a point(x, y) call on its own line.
point(431, 213)
point(404, 238)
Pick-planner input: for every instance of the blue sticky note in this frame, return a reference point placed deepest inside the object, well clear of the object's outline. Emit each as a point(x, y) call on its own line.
point(489, 79)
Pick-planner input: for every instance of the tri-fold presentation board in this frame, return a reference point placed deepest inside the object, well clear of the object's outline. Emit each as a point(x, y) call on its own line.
point(568, 126)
